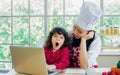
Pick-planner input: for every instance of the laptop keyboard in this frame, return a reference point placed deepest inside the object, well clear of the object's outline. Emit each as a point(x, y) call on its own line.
point(55, 72)
point(4, 70)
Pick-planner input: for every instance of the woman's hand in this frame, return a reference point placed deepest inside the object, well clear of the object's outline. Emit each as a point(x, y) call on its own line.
point(51, 68)
point(89, 35)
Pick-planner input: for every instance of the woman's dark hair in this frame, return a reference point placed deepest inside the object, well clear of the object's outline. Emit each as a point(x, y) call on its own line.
point(76, 42)
point(59, 30)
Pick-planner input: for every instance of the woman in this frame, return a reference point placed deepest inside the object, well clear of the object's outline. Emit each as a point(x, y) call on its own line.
point(86, 44)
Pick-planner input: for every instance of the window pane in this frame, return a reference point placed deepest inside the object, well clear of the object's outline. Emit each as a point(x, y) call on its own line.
point(21, 30)
point(97, 27)
point(55, 21)
point(112, 7)
point(5, 7)
point(5, 56)
point(5, 30)
point(37, 7)
point(69, 23)
point(112, 41)
point(20, 7)
point(4, 53)
point(6, 65)
point(72, 7)
point(111, 22)
point(37, 29)
point(55, 7)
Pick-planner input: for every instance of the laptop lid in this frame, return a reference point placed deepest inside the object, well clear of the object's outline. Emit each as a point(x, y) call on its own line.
point(29, 60)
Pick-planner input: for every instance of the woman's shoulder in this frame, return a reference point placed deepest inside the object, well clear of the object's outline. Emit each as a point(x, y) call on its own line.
point(97, 38)
point(96, 44)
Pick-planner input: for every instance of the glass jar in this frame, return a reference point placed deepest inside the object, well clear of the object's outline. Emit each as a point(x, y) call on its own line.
point(116, 30)
point(102, 29)
point(108, 30)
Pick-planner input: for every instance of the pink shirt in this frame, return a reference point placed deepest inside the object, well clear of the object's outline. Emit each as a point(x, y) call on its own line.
point(59, 58)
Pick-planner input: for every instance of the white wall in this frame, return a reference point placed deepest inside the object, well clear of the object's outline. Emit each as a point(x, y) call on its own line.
point(108, 60)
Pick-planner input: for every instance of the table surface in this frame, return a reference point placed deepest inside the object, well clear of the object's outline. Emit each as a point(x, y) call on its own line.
point(72, 71)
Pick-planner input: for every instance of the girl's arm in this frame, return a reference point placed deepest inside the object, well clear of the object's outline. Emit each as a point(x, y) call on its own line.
point(64, 61)
point(51, 68)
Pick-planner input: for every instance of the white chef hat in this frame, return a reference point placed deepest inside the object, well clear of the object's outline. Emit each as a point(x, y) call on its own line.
point(89, 15)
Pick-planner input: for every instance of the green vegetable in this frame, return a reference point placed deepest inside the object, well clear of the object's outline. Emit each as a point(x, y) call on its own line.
point(118, 64)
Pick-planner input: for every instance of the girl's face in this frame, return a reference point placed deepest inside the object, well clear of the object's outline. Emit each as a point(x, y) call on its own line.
point(79, 32)
point(57, 40)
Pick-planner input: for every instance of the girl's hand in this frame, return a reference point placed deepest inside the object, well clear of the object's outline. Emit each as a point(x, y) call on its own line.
point(51, 68)
point(89, 35)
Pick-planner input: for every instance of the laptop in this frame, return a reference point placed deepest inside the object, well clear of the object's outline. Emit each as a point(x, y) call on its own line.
point(29, 60)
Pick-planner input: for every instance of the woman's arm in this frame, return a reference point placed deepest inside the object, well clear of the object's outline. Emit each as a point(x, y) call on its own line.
point(83, 52)
point(83, 55)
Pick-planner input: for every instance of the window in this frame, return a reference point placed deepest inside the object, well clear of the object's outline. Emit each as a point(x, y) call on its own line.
point(25, 22)
point(111, 19)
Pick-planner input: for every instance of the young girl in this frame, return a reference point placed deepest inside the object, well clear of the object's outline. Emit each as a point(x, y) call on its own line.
point(56, 49)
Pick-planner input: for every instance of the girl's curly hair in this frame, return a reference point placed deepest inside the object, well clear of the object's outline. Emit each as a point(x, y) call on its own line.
point(59, 30)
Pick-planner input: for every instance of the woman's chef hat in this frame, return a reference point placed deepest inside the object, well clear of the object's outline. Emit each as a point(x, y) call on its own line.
point(89, 15)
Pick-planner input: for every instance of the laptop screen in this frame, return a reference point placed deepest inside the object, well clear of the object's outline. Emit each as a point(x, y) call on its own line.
point(28, 60)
